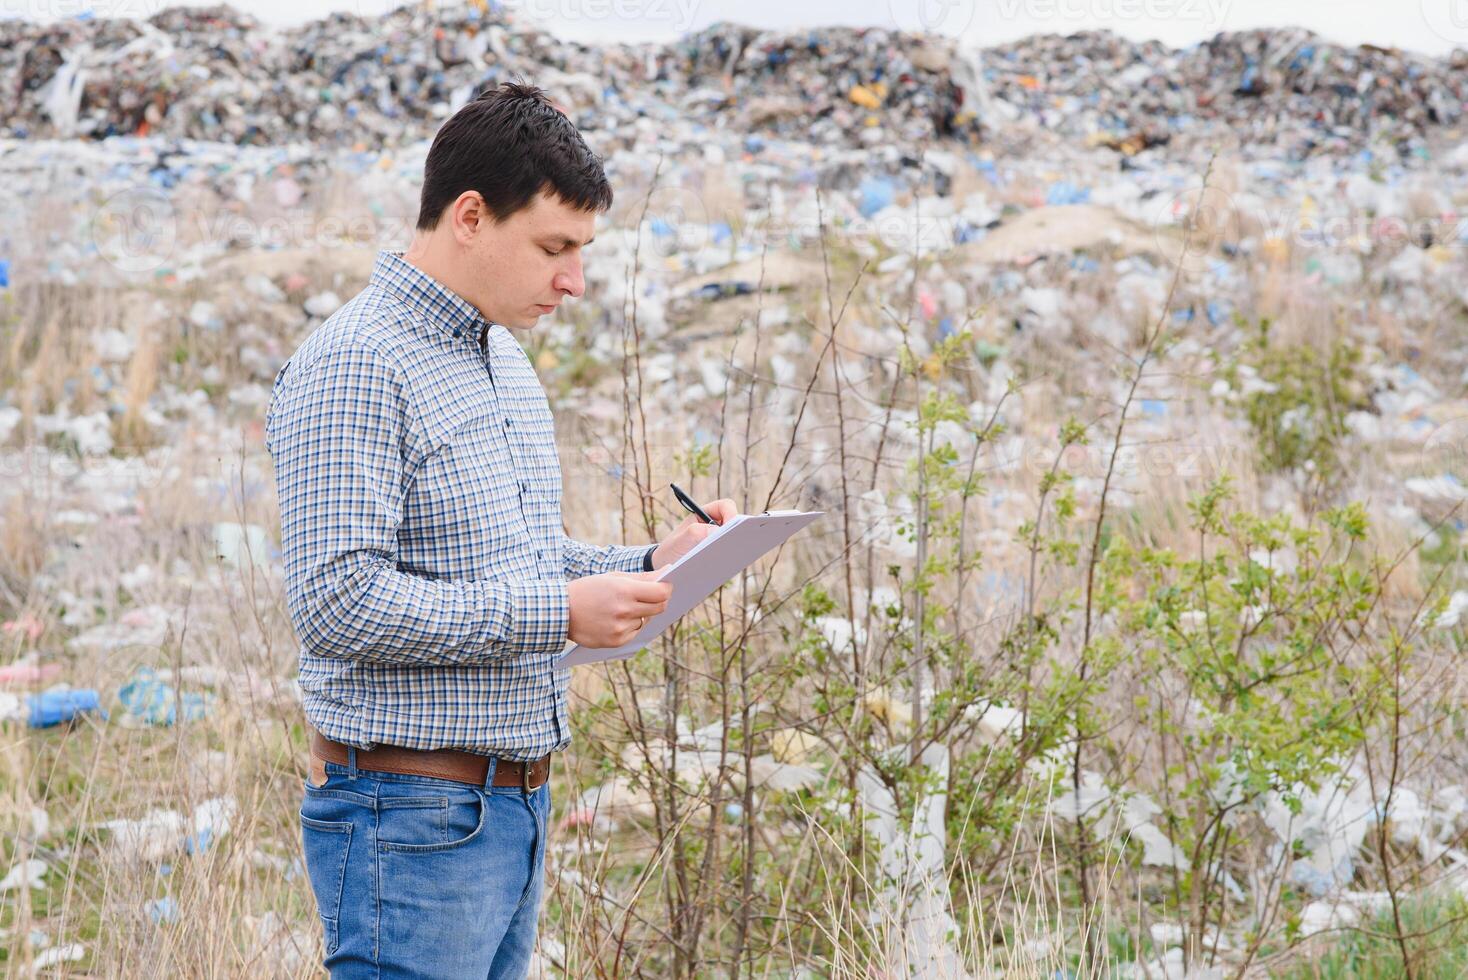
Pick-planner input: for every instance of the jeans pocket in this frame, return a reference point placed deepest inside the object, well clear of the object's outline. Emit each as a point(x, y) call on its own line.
point(452, 822)
point(413, 820)
point(326, 844)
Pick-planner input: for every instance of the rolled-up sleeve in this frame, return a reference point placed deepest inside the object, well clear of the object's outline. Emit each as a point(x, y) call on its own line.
point(340, 436)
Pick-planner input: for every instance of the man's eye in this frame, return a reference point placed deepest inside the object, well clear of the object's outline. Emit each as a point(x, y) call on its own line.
point(549, 252)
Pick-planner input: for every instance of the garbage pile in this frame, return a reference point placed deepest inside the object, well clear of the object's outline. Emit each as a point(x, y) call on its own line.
point(217, 74)
point(828, 84)
point(1274, 86)
point(374, 82)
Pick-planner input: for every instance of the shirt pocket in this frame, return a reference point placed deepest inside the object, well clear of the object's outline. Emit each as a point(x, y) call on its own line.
point(464, 513)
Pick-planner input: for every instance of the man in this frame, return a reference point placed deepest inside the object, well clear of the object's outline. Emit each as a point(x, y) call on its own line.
point(427, 574)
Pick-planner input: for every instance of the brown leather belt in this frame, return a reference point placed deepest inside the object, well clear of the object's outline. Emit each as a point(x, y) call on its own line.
point(462, 767)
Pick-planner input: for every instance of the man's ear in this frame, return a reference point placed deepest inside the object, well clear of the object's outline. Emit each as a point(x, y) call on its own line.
point(468, 212)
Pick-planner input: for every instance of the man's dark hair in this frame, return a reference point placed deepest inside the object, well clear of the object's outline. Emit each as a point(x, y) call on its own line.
point(509, 143)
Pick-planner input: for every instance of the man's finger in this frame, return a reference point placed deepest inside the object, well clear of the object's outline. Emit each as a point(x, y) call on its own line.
point(722, 510)
point(648, 591)
point(641, 606)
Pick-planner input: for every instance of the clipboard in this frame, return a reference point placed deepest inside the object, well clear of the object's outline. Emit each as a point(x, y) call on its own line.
point(697, 575)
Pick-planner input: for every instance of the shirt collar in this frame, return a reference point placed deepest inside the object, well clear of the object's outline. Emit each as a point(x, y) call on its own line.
point(426, 294)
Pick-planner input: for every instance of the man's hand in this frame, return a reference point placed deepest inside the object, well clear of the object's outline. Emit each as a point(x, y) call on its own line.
point(608, 610)
point(691, 532)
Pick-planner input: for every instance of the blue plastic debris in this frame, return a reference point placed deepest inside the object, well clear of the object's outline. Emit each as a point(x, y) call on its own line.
point(1064, 192)
point(54, 707)
point(876, 194)
point(965, 233)
point(723, 290)
point(149, 698)
point(162, 910)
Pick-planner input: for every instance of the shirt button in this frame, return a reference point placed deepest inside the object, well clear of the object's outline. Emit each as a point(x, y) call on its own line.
point(508, 423)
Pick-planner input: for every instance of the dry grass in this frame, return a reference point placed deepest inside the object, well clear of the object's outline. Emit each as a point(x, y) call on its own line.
point(823, 906)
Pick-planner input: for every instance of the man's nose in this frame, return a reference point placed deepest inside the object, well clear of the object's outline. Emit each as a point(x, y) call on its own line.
point(570, 281)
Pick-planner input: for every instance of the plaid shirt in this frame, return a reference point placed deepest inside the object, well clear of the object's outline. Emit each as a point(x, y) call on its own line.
point(420, 512)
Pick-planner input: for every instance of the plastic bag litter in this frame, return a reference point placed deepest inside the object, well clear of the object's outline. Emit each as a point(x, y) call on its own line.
point(162, 833)
point(241, 545)
point(149, 700)
point(28, 873)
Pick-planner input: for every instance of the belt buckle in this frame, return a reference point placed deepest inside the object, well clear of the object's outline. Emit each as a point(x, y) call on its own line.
point(525, 778)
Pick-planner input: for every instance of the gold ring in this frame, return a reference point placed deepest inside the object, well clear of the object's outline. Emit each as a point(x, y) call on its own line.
point(642, 624)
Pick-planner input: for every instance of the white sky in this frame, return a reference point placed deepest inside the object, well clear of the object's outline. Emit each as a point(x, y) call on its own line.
point(1431, 26)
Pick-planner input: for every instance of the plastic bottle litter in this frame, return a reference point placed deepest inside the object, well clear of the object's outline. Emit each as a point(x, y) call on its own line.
point(56, 707)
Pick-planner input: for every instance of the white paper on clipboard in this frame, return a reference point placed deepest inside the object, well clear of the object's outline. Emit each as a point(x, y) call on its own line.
point(697, 575)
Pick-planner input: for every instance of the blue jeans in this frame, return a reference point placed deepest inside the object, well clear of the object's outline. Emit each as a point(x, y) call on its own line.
point(423, 877)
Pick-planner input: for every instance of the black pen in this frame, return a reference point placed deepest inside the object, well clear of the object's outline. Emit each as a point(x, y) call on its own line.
point(688, 503)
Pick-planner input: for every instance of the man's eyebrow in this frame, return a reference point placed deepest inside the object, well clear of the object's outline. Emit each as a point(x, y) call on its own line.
point(568, 242)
